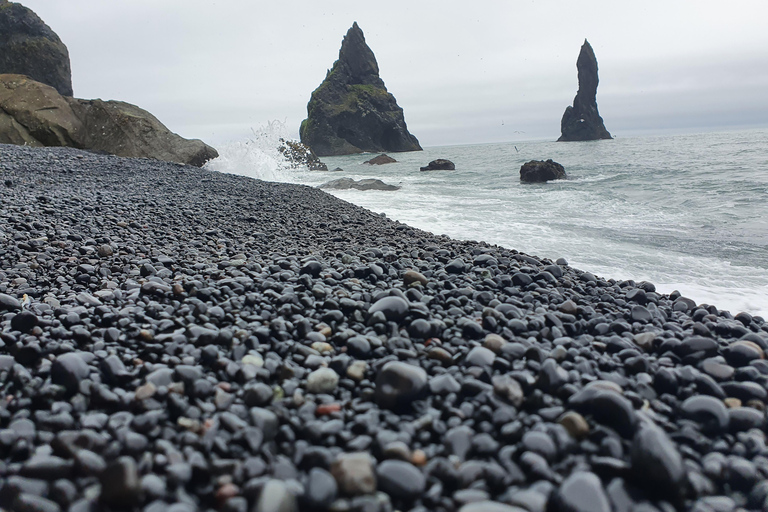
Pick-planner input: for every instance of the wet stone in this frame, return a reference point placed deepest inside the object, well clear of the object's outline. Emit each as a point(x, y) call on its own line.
point(393, 308)
point(400, 479)
point(69, 370)
point(9, 303)
point(120, 485)
point(582, 491)
point(657, 464)
point(398, 384)
point(321, 489)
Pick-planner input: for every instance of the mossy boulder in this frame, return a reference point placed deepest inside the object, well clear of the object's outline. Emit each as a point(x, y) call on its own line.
point(29, 47)
point(35, 114)
point(352, 111)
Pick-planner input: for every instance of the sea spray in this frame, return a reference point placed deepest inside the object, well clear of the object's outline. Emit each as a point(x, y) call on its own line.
point(258, 157)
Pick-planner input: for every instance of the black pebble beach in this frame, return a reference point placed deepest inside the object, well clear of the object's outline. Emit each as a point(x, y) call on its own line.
point(174, 339)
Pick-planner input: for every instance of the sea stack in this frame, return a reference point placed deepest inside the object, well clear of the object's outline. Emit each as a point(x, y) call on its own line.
point(582, 121)
point(352, 111)
point(29, 47)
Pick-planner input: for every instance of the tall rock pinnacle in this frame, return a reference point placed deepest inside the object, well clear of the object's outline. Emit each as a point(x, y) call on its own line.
point(351, 111)
point(29, 47)
point(582, 121)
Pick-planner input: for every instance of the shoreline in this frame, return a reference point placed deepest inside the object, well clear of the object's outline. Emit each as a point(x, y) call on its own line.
point(206, 337)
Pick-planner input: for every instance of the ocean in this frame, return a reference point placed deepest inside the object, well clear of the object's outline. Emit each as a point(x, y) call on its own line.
point(685, 212)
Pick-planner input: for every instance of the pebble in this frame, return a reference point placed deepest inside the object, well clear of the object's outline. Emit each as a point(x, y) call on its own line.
point(656, 463)
point(413, 277)
point(393, 308)
point(398, 384)
point(276, 497)
point(120, 484)
point(354, 473)
point(322, 380)
point(582, 491)
point(69, 370)
point(400, 479)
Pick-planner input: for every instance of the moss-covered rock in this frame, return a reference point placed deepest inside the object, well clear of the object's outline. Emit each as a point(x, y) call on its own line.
point(352, 111)
point(35, 114)
point(29, 47)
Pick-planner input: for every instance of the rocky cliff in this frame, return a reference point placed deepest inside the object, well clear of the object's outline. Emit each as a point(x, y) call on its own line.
point(35, 114)
point(582, 121)
point(352, 111)
point(29, 47)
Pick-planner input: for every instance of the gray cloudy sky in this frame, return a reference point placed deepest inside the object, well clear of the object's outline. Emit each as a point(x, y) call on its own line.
point(464, 72)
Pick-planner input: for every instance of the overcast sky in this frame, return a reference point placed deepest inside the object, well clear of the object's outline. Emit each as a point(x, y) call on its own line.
point(464, 72)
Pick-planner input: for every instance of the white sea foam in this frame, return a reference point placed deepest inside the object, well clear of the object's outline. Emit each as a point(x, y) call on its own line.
point(669, 210)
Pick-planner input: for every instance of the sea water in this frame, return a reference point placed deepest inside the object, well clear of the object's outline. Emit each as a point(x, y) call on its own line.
point(685, 212)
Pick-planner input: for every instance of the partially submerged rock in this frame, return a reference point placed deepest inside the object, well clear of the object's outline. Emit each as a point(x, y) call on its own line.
point(364, 184)
point(538, 171)
point(352, 111)
point(29, 47)
point(35, 114)
point(441, 164)
point(380, 160)
point(298, 154)
point(582, 121)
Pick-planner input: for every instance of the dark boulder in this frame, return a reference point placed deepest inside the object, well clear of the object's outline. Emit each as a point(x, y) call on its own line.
point(380, 160)
point(29, 47)
point(298, 154)
point(364, 184)
point(538, 171)
point(441, 164)
point(352, 111)
point(582, 121)
point(35, 114)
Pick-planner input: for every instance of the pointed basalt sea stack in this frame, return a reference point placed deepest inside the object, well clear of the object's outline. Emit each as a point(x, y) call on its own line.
point(29, 47)
point(351, 111)
point(582, 121)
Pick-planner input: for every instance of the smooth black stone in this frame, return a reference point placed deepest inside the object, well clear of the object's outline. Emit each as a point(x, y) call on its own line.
point(31, 503)
point(24, 321)
point(398, 384)
point(400, 479)
point(444, 384)
point(709, 412)
point(742, 419)
point(456, 266)
point(607, 407)
point(9, 303)
point(393, 308)
point(540, 443)
point(120, 485)
point(582, 491)
point(69, 370)
point(321, 489)
point(657, 465)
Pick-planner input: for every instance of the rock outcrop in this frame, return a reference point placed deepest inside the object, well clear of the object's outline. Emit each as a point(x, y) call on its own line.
point(441, 164)
point(352, 111)
point(582, 121)
point(298, 154)
point(538, 171)
point(35, 114)
point(29, 47)
point(364, 184)
point(380, 160)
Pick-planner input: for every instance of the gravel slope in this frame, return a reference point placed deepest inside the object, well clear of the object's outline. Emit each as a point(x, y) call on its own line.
point(176, 339)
